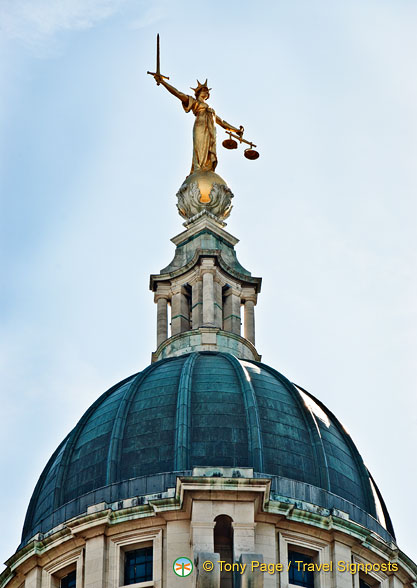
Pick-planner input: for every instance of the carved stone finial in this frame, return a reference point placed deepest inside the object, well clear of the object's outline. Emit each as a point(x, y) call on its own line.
point(204, 190)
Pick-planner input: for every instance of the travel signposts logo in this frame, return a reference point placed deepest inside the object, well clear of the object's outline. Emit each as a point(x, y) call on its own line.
point(183, 567)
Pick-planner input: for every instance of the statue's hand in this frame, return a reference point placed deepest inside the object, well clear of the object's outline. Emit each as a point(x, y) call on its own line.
point(240, 131)
point(157, 78)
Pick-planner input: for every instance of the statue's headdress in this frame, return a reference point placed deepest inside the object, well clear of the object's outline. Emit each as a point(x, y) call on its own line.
point(201, 87)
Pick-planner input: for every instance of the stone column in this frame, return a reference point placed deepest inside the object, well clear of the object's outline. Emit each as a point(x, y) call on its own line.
point(157, 560)
point(266, 543)
point(202, 536)
point(180, 312)
point(197, 303)
point(394, 582)
point(177, 544)
point(250, 320)
point(243, 539)
point(341, 552)
point(161, 319)
point(33, 578)
point(95, 558)
point(232, 303)
point(218, 304)
point(208, 299)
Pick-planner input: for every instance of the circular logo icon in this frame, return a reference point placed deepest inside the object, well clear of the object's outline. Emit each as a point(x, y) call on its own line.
point(183, 567)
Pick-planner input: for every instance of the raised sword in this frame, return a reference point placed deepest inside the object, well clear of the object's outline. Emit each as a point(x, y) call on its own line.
point(158, 72)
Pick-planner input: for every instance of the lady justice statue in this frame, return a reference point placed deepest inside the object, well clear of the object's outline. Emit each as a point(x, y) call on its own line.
point(203, 189)
point(204, 131)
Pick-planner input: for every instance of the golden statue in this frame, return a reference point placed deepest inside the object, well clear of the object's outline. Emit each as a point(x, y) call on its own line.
point(204, 131)
point(203, 189)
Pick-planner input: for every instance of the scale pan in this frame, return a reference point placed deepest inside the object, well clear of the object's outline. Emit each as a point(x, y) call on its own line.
point(251, 154)
point(229, 144)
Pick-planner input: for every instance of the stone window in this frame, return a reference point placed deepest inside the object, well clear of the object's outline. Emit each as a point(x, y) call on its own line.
point(373, 579)
point(135, 559)
point(65, 577)
point(297, 546)
point(65, 571)
point(68, 581)
point(138, 566)
point(298, 574)
point(367, 581)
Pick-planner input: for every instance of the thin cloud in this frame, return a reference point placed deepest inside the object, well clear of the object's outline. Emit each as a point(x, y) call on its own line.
point(156, 12)
point(35, 20)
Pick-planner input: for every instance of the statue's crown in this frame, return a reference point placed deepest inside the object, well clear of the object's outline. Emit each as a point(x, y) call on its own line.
point(201, 87)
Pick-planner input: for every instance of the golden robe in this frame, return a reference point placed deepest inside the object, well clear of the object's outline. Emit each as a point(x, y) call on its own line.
point(204, 135)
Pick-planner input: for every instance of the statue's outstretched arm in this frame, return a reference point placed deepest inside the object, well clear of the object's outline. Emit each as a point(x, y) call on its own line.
point(171, 89)
point(228, 126)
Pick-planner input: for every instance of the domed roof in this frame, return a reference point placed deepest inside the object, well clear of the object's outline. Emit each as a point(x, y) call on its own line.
point(195, 410)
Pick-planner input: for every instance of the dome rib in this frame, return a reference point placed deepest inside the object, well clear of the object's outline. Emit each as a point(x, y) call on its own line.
point(319, 453)
point(256, 458)
point(362, 470)
point(72, 440)
point(318, 445)
point(183, 415)
point(33, 504)
point(388, 522)
point(114, 455)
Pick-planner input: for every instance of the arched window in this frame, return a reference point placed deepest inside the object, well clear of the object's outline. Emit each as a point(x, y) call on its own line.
point(223, 544)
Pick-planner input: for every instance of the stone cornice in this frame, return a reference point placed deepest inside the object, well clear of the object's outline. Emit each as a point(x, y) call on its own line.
point(155, 279)
point(204, 222)
point(103, 516)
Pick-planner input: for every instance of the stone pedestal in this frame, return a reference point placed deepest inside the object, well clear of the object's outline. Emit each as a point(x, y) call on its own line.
point(250, 579)
point(204, 192)
point(206, 339)
point(204, 578)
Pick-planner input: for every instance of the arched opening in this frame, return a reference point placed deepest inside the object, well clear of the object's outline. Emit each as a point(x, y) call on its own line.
point(223, 544)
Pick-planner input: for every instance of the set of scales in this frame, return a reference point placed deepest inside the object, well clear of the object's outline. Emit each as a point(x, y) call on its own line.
point(204, 191)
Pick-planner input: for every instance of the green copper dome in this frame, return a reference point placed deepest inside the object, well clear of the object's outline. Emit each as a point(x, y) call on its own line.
point(203, 409)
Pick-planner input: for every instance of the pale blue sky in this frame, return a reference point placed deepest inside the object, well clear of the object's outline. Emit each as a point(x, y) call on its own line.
point(93, 152)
